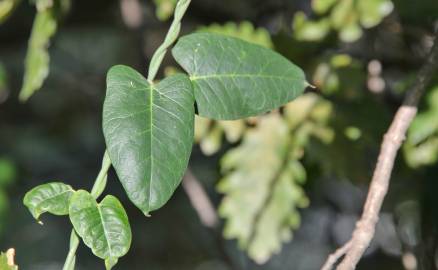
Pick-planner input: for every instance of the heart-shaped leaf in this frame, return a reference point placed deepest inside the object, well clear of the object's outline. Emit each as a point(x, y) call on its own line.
point(235, 79)
point(103, 227)
point(51, 197)
point(149, 133)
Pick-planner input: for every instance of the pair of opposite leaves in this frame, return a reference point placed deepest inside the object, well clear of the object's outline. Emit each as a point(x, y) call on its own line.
point(148, 127)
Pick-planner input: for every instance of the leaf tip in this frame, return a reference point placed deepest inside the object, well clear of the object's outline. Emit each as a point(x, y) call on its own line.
point(110, 262)
point(310, 85)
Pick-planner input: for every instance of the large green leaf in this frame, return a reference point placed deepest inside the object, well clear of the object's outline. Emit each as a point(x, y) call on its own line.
point(37, 57)
point(51, 197)
point(235, 79)
point(149, 133)
point(103, 227)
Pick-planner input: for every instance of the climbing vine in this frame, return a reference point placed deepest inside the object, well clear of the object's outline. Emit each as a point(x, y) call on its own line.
point(148, 127)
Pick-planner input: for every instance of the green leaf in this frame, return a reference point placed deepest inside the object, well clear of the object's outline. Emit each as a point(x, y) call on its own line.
point(6, 8)
point(7, 260)
point(51, 197)
point(322, 6)
point(149, 133)
point(308, 30)
point(244, 30)
point(37, 56)
point(235, 79)
point(262, 189)
point(103, 227)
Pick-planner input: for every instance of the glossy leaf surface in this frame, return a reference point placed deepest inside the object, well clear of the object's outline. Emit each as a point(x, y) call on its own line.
point(103, 227)
point(149, 133)
point(235, 79)
point(51, 197)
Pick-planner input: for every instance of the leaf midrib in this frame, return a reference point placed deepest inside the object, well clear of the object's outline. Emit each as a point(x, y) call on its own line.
point(231, 75)
point(151, 99)
point(52, 197)
point(104, 231)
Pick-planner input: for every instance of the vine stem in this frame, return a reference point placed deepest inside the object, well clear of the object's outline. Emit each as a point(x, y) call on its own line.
point(101, 179)
point(392, 141)
point(97, 189)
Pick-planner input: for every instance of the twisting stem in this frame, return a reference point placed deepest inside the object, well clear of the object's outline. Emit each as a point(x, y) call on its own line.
point(171, 37)
point(97, 189)
point(154, 65)
point(392, 141)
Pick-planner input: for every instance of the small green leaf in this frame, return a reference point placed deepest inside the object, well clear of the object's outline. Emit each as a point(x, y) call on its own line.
point(6, 8)
point(235, 79)
point(7, 260)
point(51, 197)
point(37, 57)
point(103, 227)
point(149, 133)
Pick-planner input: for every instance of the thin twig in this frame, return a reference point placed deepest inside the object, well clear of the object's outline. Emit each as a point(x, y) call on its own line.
point(392, 141)
point(199, 199)
point(207, 214)
point(334, 257)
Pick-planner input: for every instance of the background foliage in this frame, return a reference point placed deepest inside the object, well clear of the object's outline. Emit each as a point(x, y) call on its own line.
point(288, 185)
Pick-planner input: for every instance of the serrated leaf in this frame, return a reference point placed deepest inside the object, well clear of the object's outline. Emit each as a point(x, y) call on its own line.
point(261, 189)
point(235, 79)
point(37, 56)
point(149, 133)
point(103, 227)
point(244, 30)
point(51, 197)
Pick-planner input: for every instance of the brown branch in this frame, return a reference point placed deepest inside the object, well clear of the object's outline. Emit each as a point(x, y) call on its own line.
point(334, 257)
point(200, 201)
point(392, 141)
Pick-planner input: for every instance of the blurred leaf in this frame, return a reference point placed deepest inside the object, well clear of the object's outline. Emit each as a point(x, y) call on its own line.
point(3, 79)
point(342, 13)
point(7, 260)
point(261, 196)
point(202, 126)
point(8, 172)
point(233, 129)
point(51, 197)
point(149, 133)
point(339, 74)
point(306, 30)
point(245, 30)
point(347, 17)
point(373, 11)
point(323, 6)
point(212, 140)
point(223, 92)
point(164, 9)
point(103, 227)
point(6, 8)
point(421, 146)
point(4, 207)
point(37, 56)
point(350, 32)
